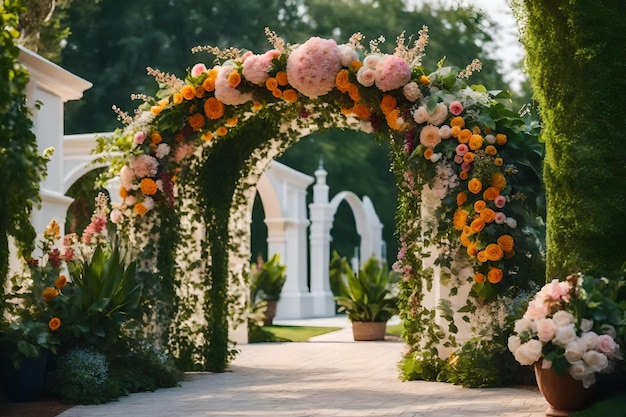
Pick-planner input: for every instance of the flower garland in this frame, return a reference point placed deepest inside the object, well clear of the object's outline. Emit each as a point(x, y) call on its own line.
point(454, 136)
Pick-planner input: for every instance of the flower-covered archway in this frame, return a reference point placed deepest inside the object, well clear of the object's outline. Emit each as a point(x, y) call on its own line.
point(196, 150)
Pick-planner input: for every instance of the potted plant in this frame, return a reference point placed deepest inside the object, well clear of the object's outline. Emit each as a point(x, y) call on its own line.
point(571, 334)
point(368, 297)
point(266, 283)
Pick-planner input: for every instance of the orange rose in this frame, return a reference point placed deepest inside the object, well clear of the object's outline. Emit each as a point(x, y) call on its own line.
point(475, 142)
point(290, 95)
point(355, 65)
point(188, 92)
point(428, 153)
point(479, 278)
point(234, 78)
point(140, 209)
point(213, 72)
point(342, 81)
point(498, 162)
point(494, 252)
point(477, 225)
point(488, 215)
point(459, 220)
point(156, 138)
point(277, 92)
point(463, 175)
point(474, 186)
point(388, 103)
point(455, 130)
point(271, 83)
point(200, 91)
point(457, 121)
point(482, 256)
point(148, 186)
point(461, 198)
point(362, 112)
point(464, 136)
point(495, 275)
point(394, 119)
point(208, 84)
point(54, 323)
point(49, 293)
point(491, 150)
point(213, 108)
point(506, 242)
point(353, 92)
point(491, 193)
point(177, 98)
point(281, 78)
point(501, 139)
point(472, 250)
point(196, 121)
point(479, 205)
point(60, 282)
point(469, 157)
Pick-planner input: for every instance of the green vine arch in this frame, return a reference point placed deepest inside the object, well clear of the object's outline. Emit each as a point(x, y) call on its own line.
point(190, 157)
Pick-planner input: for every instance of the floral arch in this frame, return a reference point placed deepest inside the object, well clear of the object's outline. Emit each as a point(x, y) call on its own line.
point(196, 150)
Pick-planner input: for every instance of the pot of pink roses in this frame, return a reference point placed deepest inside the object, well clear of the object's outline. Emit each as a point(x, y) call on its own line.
point(569, 333)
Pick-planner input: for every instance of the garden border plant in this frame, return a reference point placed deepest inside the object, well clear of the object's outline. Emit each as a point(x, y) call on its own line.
point(196, 150)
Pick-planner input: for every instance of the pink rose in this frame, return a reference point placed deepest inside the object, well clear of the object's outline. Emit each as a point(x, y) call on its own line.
point(461, 149)
point(198, 69)
point(545, 329)
point(458, 159)
point(366, 76)
point(465, 166)
point(499, 201)
point(555, 290)
point(537, 310)
point(500, 218)
point(139, 137)
point(606, 344)
point(445, 132)
point(456, 108)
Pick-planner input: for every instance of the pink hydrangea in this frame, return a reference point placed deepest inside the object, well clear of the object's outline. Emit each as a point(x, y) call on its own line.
point(227, 94)
point(198, 69)
point(392, 72)
point(313, 66)
point(144, 166)
point(256, 67)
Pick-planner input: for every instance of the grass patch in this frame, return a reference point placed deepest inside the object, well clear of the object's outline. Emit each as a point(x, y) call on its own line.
point(395, 330)
point(298, 333)
point(614, 407)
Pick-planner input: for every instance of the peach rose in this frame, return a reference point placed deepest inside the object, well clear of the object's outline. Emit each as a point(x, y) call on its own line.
point(429, 136)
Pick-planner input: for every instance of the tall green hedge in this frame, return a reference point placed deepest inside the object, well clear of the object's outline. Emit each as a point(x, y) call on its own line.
point(576, 56)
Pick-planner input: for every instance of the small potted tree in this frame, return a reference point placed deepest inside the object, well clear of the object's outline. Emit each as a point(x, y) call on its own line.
point(266, 283)
point(368, 297)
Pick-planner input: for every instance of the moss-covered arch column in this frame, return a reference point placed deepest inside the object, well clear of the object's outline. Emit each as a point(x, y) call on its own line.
point(576, 52)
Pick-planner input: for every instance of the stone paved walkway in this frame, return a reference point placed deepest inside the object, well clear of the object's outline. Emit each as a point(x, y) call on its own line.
point(332, 376)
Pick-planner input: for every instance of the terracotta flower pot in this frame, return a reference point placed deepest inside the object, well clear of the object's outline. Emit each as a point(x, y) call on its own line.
point(564, 393)
point(369, 330)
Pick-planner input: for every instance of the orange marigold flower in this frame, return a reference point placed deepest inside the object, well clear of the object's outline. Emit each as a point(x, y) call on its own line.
point(177, 98)
point(393, 120)
point(498, 180)
point(464, 136)
point(342, 80)
point(188, 92)
point(362, 112)
point(482, 256)
point(148, 186)
point(469, 157)
point(213, 108)
point(498, 162)
point(495, 275)
point(140, 209)
point(234, 78)
point(60, 282)
point(506, 242)
point(474, 186)
point(123, 192)
point(455, 130)
point(461, 198)
point(221, 131)
point(475, 142)
point(271, 83)
point(491, 150)
point(458, 121)
point(232, 122)
point(494, 252)
point(54, 323)
point(477, 225)
point(388, 103)
point(281, 78)
point(501, 139)
point(488, 215)
point(491, 193)
point(156, 138)
point(207, 136)
point(290, 95)
point(479, 278)
point(428, 153)
point(479, 206)
point(463, 175)
point(196, 121)
point(49, 293)
point(208, 84)
point(459, 220)
point(277, 92)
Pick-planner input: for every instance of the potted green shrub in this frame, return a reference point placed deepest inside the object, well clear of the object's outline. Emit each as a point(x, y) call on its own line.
point(368, 297)
point(266, 283)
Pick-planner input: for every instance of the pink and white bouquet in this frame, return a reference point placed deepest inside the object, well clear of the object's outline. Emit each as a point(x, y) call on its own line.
point(571, 326)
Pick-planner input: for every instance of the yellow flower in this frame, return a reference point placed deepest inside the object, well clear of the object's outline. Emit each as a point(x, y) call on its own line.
point(156, 138)
point(501, 139)
point(498, 180)
point(177, 98)
point(232, 122)
point(221, 131)
point(49, 293)
point(54, 323)
point(469, 157)
point(200, 91)
point(424, 80)
point(472, 250)
point(458, 121)
point(257, 105)
point(491, 150)
point(53, 230)
point(123, 192)
point(464, 136)
point(156, 110)
point(482, 256)
point(207, 136)
point(428, 153)
point(498, 162)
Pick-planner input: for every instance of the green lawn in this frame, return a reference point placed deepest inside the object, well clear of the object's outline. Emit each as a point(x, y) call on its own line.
point(395, 330)
point(298, 333)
